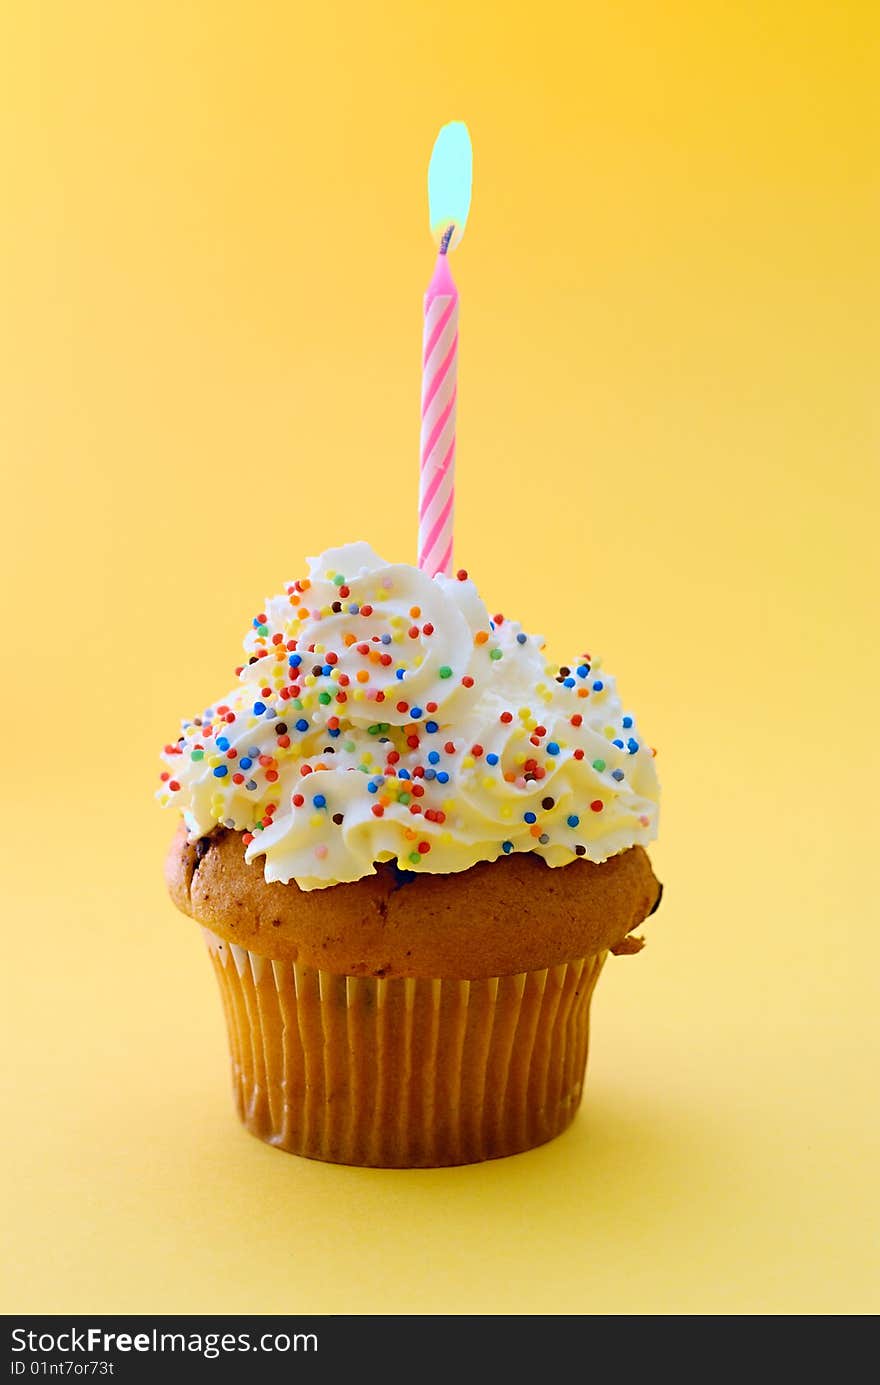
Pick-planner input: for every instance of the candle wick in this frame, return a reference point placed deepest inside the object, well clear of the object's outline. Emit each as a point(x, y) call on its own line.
point(446, 238)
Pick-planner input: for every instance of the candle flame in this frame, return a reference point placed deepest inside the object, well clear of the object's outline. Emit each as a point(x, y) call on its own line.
point(450, 174)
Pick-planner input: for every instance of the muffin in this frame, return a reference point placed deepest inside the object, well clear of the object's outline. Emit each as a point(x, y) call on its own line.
point(411, 845)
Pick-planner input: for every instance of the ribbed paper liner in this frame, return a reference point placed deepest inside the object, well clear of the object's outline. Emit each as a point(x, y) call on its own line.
point(404, 1073)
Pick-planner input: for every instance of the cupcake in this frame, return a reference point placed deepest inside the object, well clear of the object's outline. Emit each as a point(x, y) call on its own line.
point(411, 845)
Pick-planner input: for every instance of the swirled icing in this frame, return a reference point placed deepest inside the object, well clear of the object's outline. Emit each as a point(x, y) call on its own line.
point(384, 715)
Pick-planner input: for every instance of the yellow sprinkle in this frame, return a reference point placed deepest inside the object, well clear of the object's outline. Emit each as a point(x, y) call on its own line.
point(358, 695)
point(315, 820)
point(518, 733)
point(397, 621)
point(468, 762)
point(309, 680)
point(609, 733)
point(488, 782)
point(506, 811)
point(319, 648)
point(524, 713)
point(519, 759)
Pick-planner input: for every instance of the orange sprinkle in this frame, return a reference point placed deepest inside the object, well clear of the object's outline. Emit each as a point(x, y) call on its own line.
point(415, 612)
point(363, 676)
point(481, 637)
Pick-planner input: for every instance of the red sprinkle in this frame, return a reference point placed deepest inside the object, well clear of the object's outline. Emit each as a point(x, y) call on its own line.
point(597, 805)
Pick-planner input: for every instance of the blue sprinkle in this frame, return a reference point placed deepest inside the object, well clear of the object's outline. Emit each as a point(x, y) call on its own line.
point(222, 743)
point(627, 723)
point(529, 818)
point(404, 774)
point(220, 772)
point(618, 743)
point(400, 674)
point(327, 670)
point(259, 708)
point(251, 784)
point(617, 774)
point(442, 776)
point(294, 660)
point(334, 731)
point(372, 787)
point(552, 748)
point(431, 727)
point(521, 638)
point(598, 685)
point(386, 639)
point(302, 724)
point(271, 714)
point(430, 774)
point(415, 713)
point(433, 757)
point(583, 670)
point(245, 763)
point(254, 752)
point(632, 745)
point(507, 847)
point(568, 682)
point(491, 758)
point(572, 820)
point(256, 623)
point(353, 609)
point(319, 801)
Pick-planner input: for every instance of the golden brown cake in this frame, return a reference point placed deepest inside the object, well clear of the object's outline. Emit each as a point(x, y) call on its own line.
point(411, 844)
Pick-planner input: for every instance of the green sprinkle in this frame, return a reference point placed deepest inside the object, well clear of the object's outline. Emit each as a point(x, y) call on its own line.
point(405, 798)
point(495, 654)
point(414, 857)
point(324, 698)
point(198, 755)
point(599, 765)
point(349, 746)
point(339, 580)
point(297, 702)
point(262, 629)
point(444, 672)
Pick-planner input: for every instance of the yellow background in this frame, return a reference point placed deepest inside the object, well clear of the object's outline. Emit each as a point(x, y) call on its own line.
point(213, 246)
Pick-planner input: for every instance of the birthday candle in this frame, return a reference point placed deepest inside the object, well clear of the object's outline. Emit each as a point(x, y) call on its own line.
point(449, 195)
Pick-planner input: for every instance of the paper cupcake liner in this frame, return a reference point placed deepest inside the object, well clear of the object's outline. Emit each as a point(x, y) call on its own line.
point(404, 1073)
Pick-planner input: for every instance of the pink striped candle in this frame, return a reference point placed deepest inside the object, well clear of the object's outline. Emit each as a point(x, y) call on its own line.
point(439, 390)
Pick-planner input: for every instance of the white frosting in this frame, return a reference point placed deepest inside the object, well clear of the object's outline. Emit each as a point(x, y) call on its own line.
point(414, 728)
